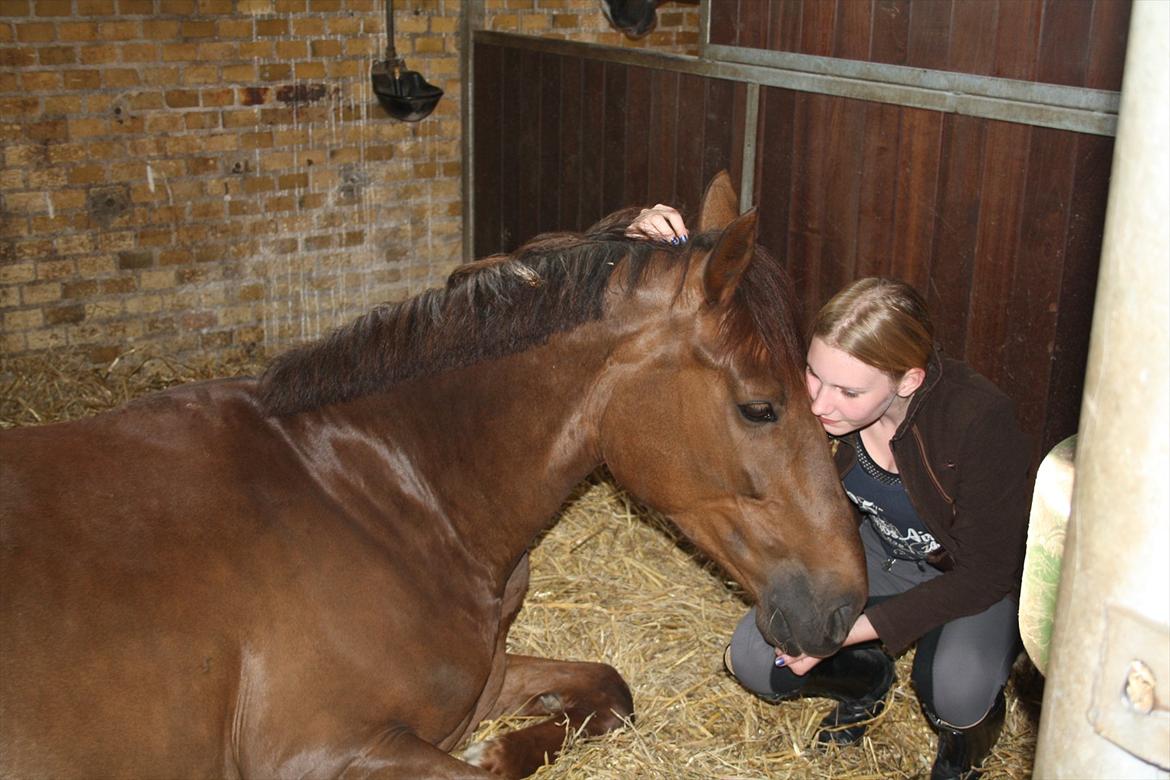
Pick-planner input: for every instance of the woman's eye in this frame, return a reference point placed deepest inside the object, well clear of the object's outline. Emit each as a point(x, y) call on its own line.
point(849, 394)
point(758, 412)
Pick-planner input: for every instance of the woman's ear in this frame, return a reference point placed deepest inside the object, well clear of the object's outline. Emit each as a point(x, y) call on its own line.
point(911, 381)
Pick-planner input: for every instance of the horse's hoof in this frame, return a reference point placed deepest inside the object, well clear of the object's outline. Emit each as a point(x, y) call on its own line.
point(489, 756)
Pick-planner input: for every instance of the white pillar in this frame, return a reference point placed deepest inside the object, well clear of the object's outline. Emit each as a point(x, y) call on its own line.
point(1113, 612)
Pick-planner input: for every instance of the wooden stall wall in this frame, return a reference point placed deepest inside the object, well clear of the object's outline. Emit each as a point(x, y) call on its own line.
point(1077, 43)
point(562, 140)
point(998, 223)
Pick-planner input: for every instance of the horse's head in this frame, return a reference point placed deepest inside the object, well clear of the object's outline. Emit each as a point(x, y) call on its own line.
point(635, 18)
point(707, 419)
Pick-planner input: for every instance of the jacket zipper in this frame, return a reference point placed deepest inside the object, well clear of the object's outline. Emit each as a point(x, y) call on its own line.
point(930, 471)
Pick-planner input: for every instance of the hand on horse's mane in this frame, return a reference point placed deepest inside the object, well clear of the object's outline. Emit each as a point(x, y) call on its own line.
point(659, 223)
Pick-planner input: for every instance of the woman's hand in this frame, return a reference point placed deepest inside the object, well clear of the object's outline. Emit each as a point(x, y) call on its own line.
point(799, 664)
point(862, 631)
point(660, 223)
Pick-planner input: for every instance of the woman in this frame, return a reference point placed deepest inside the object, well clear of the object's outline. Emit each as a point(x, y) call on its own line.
point(931, 455)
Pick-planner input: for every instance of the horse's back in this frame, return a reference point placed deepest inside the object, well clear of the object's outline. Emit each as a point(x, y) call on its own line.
point(138, 471)
point(114, 547)
point(186, 578)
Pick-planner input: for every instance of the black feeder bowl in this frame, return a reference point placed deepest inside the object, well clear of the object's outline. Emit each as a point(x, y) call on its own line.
point(405, 94)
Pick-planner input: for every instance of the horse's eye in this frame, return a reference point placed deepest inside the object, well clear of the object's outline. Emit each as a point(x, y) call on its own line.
point(758, 412)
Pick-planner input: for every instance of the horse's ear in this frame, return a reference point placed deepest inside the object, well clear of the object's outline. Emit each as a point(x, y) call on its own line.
point(729, 258)
point(720, 203)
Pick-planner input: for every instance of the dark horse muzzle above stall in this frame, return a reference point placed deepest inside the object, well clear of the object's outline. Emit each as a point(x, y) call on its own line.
point(314, 574)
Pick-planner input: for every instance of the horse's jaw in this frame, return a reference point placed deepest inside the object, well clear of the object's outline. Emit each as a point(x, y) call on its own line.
point(806, 602)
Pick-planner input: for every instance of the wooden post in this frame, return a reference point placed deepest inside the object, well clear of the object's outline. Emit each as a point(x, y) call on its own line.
point(1106, 700)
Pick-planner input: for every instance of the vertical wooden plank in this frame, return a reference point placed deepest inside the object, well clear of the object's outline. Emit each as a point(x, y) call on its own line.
point(638, 138)
point(549, 204)
point(784, 25)
point(613, 175)
point(739, 110)
point(806, 212)
point(774, 168)
point(1004, 164)
point(752, 27)
point(592, 143)
point(487, 142)
point(930, 34)
point(723, 23)
point(1064, 43)
point(875, 231)
point(718, 128)
point(736, 116)
point(891, 32)
point(689, 143)
point(842, 188)
point(817, 22)
point(1078, 288)
point(525, 138)
point(663, 138)
point(1028, 351)
point(956, 230)
point(854, 29)
point(1110, 27)
point(972, 42)
point(916, 193)
point(1017, 30)
point(570, 178)
point(511, 125)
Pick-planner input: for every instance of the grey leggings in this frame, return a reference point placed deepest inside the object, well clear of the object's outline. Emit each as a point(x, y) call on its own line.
point(959, 667)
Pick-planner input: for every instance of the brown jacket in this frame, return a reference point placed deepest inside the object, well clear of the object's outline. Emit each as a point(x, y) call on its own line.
point(966, 467)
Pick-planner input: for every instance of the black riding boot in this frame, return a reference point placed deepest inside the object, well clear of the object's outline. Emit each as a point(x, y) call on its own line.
point(962, 751)
point(857, 678)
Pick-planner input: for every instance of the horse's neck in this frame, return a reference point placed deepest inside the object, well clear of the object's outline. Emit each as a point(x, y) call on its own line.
point(499, 444)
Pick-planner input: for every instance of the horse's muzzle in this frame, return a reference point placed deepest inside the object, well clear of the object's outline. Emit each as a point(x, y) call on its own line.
point(807, 623)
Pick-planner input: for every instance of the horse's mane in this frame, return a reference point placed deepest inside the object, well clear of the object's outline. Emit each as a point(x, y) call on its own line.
point(505, 304)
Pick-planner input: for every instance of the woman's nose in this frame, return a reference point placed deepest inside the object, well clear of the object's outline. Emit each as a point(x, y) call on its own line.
point(818, 408)
point(814, 396)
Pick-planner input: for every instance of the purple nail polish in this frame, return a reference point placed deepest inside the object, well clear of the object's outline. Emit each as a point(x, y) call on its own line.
point(780, 661)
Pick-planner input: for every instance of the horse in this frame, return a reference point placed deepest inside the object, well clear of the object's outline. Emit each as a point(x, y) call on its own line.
point(313, 573)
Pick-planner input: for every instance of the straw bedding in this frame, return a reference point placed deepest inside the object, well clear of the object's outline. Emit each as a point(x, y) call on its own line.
point(613, 581)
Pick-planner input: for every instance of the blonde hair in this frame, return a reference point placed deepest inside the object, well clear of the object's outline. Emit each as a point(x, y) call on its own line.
point(881, 322)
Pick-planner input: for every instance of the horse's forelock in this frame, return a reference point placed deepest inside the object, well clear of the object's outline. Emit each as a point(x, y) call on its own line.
point(761, 324)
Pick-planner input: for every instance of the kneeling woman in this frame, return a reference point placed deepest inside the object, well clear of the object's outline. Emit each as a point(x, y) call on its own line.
point(932, 456)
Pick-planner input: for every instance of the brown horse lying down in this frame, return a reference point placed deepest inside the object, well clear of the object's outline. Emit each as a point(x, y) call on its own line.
point(314, 574)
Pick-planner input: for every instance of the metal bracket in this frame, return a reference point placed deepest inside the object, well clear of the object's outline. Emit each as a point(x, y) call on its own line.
point(1131, 691)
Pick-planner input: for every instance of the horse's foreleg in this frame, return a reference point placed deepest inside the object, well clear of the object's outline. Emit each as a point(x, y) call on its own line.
point(401, 754)
point(589, 697)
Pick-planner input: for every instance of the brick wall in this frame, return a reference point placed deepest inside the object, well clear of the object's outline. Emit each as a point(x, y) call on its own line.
point(215, 177)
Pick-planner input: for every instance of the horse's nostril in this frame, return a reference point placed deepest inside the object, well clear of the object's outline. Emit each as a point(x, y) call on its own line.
point(775, 626)
point(840, 623)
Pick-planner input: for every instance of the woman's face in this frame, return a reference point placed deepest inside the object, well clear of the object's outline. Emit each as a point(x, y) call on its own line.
point(846, 394)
